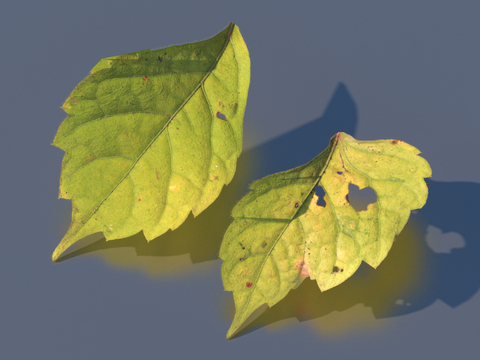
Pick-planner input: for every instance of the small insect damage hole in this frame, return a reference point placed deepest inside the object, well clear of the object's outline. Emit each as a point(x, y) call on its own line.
point(321, 196)
point(219, 115)
point(360, 199)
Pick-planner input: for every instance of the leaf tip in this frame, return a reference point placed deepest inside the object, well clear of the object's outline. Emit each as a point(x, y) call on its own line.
point(56, 254)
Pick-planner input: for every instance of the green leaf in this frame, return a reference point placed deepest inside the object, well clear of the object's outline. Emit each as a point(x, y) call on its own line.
point(151, 136)
point(280, 235)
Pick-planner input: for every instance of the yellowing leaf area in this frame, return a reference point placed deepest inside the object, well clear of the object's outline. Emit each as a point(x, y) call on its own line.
point(280, 234)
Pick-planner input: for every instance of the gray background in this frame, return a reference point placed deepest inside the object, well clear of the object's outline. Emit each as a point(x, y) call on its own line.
point(375, 69)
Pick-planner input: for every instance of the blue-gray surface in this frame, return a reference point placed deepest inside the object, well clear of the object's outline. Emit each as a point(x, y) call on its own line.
point(375, 69)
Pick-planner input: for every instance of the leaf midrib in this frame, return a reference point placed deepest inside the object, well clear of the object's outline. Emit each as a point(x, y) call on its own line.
point(288, 224)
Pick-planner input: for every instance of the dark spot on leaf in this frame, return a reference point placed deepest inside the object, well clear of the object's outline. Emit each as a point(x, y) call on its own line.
point(394, 142)
point(145, 78)
point(264, 244)
point(243, 247)
point(339, 172)
point(241, 259)
point(146, 59)
point(335, 269)
point(249, 284)
point(296, 205)
point(219, 115)
point(159, 58)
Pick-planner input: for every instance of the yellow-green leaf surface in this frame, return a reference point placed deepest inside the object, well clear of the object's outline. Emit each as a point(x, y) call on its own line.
point(280, 235)
point(151, 136)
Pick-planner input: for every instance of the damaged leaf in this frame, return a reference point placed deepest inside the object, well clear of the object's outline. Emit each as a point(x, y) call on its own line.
point(143, 144)
point(280, 234)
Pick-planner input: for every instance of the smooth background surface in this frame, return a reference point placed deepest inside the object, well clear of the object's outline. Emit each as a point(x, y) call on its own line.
point(406, 70)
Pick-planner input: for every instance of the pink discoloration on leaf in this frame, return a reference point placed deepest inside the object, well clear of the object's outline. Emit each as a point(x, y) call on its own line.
point(303, 268)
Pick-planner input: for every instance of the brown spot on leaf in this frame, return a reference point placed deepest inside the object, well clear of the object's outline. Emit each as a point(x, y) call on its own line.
point(336, 269)
point(249, 284)
point(90, 158)
point(393, 142)
point(139, 198)
point(156, 172)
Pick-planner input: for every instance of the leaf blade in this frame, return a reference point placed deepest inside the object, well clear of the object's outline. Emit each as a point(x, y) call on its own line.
point(143, 146)
point(323, 243)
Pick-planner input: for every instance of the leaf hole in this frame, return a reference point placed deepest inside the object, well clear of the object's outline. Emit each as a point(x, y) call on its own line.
point(219, 115)
point(339, 172)
point(360, 199)
point(321, 196)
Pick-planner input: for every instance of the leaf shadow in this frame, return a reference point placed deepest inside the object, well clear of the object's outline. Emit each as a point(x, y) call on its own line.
point(451, 276)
